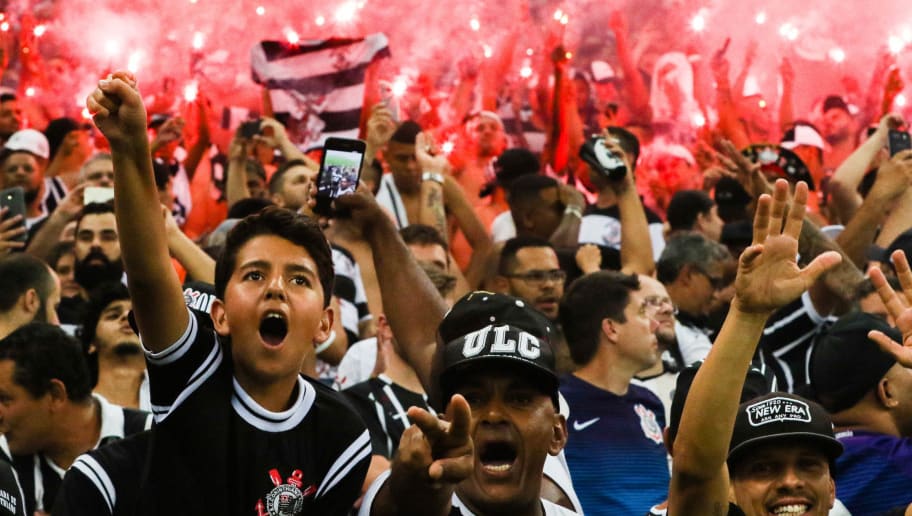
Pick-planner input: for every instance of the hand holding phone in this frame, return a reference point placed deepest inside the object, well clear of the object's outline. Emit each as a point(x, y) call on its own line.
point(340, 171)
point(12, 202)
point(898, 141)
point(249, 129)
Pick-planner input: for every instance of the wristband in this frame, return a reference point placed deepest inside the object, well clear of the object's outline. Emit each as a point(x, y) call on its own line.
point(573, 210)
point(323, 346)
point(432, 176)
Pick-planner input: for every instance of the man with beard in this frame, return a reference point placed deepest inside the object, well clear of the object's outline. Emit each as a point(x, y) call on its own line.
point(529, 269)
point(114, 352)
point(487, 141)
point(29, 291)
point(97, 246)
point(838, 130)
point(23, 161)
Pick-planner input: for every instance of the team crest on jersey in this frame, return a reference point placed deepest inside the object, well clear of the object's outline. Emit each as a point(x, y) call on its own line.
point(648, 423)
point(286, 499)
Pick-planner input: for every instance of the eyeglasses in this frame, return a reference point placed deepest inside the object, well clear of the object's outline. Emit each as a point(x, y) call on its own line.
point(717, 282)
point(656, 303)
point(539, 277)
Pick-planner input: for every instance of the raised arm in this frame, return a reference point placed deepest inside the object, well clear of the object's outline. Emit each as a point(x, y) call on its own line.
point(636, 244)
point(236, 183)
point(158, 302)
point(199, 265)
point(768, 278)
point(845, 181)
point(412, 305)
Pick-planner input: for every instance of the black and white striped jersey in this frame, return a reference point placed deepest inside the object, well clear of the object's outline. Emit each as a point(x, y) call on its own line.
point(788, 341)
point(382, 405)
point(40, 478)
point(215, 450)
point(106, 480)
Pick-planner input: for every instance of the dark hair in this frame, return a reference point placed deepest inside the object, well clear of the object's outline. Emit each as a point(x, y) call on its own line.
point(162, 172)
point(866, 288)
point(589, 300)
point(511, 247)
point(685, 206)
point(297, 229)
point(406, 133)
point(43, 352)
point(248, 206)
point(688, 249)
point(18, 274)
point(277, 181)
point(99, 299)
point(421, 234)
point(523, 194)
point(95, 208)
point(60, 250)
point(628, 141)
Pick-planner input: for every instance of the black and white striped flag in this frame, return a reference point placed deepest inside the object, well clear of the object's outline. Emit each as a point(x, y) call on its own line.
point(317, 85)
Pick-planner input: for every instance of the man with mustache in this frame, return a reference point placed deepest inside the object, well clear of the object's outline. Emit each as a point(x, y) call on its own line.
point(97, 246)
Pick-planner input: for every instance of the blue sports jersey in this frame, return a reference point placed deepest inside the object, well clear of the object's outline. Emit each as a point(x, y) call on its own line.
point(874, 472)
point(615, 451)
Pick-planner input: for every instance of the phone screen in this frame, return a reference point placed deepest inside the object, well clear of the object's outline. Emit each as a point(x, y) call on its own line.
point(341, 170)
point(898, 141)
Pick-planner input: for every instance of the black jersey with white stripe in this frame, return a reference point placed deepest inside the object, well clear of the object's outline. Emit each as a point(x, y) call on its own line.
point(788, 341)
point(40, 478)
point(105, 481)
point(382, 405)
point(602, 226)
point(215, 450)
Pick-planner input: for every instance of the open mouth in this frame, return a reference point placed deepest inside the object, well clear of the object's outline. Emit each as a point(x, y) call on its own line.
point(497, 456)
point(793, 509)
point(273, 328)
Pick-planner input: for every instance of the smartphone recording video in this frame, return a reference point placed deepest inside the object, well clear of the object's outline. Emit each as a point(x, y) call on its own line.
point(340, 170)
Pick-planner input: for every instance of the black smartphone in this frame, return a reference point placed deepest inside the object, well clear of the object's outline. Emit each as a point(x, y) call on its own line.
point(898, 141)
point(13, 200)
point(340, 171)
point(249, 129)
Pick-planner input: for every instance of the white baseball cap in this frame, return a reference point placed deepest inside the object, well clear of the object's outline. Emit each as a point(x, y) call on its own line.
point(31, 141)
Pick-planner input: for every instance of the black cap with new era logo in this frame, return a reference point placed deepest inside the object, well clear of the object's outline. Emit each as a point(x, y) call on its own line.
point(484, 328)
point(779, 416)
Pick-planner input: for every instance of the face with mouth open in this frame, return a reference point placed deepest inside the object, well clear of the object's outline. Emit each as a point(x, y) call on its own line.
point(514, 426)
point(789, 478)
point(272, 309)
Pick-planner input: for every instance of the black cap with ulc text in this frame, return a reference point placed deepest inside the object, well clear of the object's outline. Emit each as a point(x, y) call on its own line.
point(488, 328)
point(779, 416)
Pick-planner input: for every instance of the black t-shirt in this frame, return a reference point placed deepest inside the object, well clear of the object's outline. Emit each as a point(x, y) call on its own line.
point(41, 479)
point(105, 481)
point(11, 499)
point(382, 405)
point(216, 451)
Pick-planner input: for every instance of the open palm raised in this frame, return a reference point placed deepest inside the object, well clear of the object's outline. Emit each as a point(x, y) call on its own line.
point(768, 274)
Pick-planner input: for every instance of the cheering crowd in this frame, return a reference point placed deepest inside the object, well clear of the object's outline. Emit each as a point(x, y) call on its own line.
point(612, 295)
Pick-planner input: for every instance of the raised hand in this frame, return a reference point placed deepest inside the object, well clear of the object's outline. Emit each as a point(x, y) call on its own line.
point(11, 230)
point(898, 305)
point(437, 451)
point(117, 110)
point(768, 273)
point(426, 155)
point(380, 125)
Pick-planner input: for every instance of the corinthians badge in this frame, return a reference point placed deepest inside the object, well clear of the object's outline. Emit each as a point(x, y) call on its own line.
point(285, 499)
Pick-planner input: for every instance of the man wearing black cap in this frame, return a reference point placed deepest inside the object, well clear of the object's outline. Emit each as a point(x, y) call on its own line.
point(771, 455)
point(869, 396)
point(488, 454)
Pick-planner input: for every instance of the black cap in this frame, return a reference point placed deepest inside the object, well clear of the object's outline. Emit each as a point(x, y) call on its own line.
point(756, 384)
point(488, 328)
point(512, 163)
point(901, 243)
point(846, 364)
point(835, 102)
point(779, 161)
point(777, 416)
